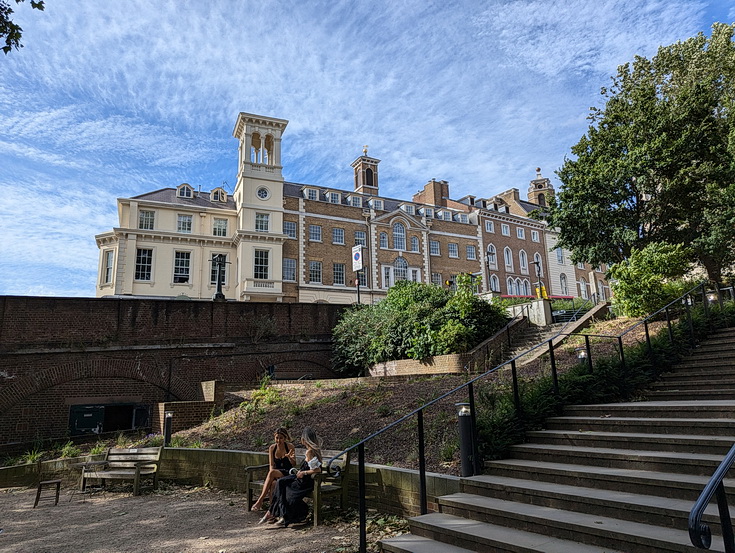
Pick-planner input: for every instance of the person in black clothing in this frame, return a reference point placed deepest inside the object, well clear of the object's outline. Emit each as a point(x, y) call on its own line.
point(281, 458)
point(288, 504)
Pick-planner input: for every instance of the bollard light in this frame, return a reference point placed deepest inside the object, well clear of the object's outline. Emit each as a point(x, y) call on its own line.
point(712, 297)
point(465, 439)
point(167, 423)
point(581, 353)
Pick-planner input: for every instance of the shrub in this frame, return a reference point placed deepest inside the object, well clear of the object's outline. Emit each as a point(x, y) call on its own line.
point(70, 450)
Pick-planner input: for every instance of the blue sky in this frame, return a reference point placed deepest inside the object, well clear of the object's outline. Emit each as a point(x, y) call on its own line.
point(114, 99)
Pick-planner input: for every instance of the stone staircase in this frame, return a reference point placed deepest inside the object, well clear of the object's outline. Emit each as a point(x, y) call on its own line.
point(601, 478)
point(530, 337)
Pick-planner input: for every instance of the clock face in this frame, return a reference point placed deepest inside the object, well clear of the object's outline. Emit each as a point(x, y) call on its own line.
point(263, 193)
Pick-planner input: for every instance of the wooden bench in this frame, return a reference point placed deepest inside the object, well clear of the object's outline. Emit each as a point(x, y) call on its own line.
point(124, 464)
point(325, 485)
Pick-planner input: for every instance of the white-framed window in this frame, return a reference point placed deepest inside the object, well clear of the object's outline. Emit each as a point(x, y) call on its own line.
point(436, 279)
point(315, 272)
point(494, 283)
point(315, 233)
point(362, 277)
point(107, 268)
point(263, 193)
point(505, 229)
point(563, 284)
point(526, 287)
point(219, 227)
point(261, 263)
point(338, 274)
point(538, 263)
point(386, 276)
point(355, 201)
point(414, 244)
point(523, 261)
point(182, 267)
point(492, 257)
point(415, 275)
point(312, 194)
point(338, 235)
point(511, 285)
point(434, 247)
point(462, 218)
point(535, 236)
point(289, 269)
point(213, 269)
point(185, 192)
point(429, 212)
point(218, 195)
point(408, 208)
point(400, 269)
point(184, 223)
point(598, 269)
point(383, 240)
point(453, 249)
point(489, 226)
point(360, 238)
point(521, 233)
point(289, 228)
point(333, 198)
point(583, 290)
point(399, 237)
point(508, 257)
point(471, 253)
point(377, 204)
point(262, 222)
point(560, 256)
point(143, 264)
point(146, 219)
point(580, 265)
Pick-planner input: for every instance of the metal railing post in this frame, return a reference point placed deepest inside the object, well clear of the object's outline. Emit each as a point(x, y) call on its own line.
point(363, 492)
point(476, 462)
point(589, 352)
point(516, 391)
point(648, 342)
point(668, 324)
point(554, 375)
point(725, 521)
point(705, 302)
point(622, 354)
point(422, 465)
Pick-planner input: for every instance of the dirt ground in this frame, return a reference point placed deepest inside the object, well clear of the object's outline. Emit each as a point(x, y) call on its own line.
point(174, 519)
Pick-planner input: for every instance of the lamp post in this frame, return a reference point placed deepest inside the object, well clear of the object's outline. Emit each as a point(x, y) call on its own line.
point(167, 423)
point(219, 262)
point(466, 453)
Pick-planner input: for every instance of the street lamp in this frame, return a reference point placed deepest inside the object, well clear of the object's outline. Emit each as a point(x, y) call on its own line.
point(466, 453)
point(537, 264)
point(167, 423)
point(219, 262)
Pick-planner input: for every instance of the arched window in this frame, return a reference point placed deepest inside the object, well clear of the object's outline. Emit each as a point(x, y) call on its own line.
point(519, 286)
point(583, 288)
point(600, 290)
point(368, 177)
point(414, 244)
point(526, 288)
point(564, 285)
point(384, 240)
point(508, 255)
point(256, 148)
point(541, 200)
point(511, 287)
point(494, 283)
point(399, 237)
point(539, 263)
point(560, 256)
point(400, 269)
point(523, 258)
point(268, 150)
point(492, 258)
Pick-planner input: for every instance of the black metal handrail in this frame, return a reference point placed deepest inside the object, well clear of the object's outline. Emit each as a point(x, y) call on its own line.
point(418, 412)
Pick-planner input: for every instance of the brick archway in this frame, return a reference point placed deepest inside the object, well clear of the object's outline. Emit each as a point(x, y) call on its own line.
point(132, 369)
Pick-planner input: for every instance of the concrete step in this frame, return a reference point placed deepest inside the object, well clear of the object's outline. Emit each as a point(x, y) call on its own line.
point(714, 382)
point(709, 409)
point(687, 443)
point(695, 395)
point(685, 487)
point(487, 537)
point(663, 461)
point(699, 426)
point(633, 506)
point(589, 529)
point(409, 543)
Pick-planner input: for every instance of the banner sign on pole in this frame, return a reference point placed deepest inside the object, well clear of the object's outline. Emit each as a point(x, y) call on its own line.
point(357, 258)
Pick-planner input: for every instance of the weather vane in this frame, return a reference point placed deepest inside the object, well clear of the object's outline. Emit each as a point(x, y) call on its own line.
point(364, 150)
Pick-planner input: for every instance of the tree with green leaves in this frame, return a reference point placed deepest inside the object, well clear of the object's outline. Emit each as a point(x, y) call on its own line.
point(657, 162)
point(9, 30)
point(414, 321)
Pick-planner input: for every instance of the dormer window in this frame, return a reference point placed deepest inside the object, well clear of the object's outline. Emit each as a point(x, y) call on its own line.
point(311, 194)
point(428, 212)
point(376, 204)
point(185, 191)
point(355, 201)
point(408, 208)
point(219, 195)
point(333, 198)
point(462, 218)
